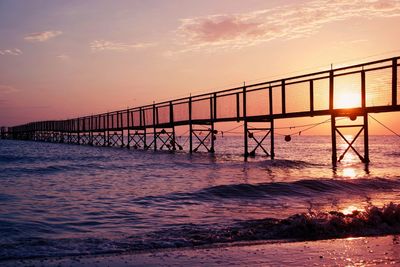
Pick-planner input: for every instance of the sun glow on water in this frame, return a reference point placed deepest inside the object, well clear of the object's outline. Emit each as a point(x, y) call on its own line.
point(349, 172)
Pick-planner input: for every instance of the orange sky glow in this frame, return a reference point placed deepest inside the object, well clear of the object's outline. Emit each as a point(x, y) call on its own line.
point(64, 59)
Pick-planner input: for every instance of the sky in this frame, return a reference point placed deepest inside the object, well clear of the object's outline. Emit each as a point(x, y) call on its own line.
point(63, 59)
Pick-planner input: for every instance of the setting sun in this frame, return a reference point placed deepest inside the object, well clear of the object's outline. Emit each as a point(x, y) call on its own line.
point(347, 100)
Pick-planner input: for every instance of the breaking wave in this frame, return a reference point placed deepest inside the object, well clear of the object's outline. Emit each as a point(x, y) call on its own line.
point(373, 221)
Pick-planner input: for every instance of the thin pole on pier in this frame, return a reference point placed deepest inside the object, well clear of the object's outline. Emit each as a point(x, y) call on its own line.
point(108, 127)
point(311, 96)
point(154, 126)
point(171, 121)
point(112, 127)
point(213, 111)
point(271, 111)
point(190, 125)
point(119, 123)
point(394, 82)
point(86, 133)
point(91, 131)
point(237, 107)
point(245, 128)
point(143, 124)
point(104, 130)
point(79, 137)
point(283, 97)
point(363, 104)
point(121, 120)
point(128, 122)
point(333, 119)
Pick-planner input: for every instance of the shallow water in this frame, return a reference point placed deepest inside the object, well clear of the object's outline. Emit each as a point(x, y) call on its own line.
point(59, 199)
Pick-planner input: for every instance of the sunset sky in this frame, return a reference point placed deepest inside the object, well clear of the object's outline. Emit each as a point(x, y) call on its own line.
point(62, 59)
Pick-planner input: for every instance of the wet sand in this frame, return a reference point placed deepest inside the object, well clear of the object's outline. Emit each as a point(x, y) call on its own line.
point(364, 251)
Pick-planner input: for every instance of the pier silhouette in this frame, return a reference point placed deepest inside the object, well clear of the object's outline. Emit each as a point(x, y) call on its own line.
point(374, 87)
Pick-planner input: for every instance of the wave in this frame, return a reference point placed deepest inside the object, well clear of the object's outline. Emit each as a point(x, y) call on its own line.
point(373, 221)
point(52, 168)
point(38, 170)
point(393, 154)
point(285, 163)
point(16, 159)
point(302, 188)
point(306, 226)
point(7, 197)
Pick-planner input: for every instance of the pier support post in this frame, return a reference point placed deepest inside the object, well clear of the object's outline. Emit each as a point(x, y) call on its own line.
point(190, 126)
point(213, 137)
point(145, 146)
point(91, 124)
point(366, 137)
point(128, 122)
point(204, 138)
point(259, 141)
point(172, 122)
point(333, 136)
point(350, 144)
point(272, 139)
point(213, 111)
point(333, 119)
point(137, 139)
point(245, 128)
point(246, 143)
point(122, 139)
point(120, 126)
point(154, 128)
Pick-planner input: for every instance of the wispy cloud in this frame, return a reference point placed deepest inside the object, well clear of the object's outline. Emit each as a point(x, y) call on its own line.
point(7, 89)
point(349, 42)
point(10, 52)
point(24, 107)
point(103, 45)
point(42, 36)
point(63, 57)
point(283, 22)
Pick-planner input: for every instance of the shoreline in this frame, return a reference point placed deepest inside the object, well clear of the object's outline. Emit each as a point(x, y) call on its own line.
point(339, 252)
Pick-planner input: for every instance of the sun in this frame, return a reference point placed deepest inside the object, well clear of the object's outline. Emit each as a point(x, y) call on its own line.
point(347, 100)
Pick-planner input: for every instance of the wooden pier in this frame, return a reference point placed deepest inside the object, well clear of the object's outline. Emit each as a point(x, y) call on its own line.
point(374, 85)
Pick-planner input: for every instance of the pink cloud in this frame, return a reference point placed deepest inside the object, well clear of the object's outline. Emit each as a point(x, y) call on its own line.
point(102, 45)
point(282, 22)
point(10, 52)
point(7, 89)
point(217, 28)
point(42, 36)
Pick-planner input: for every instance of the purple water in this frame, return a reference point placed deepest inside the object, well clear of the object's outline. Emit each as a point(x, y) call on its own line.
point(58, 199)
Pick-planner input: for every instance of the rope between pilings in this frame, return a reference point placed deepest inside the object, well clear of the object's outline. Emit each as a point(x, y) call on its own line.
point(384, 126)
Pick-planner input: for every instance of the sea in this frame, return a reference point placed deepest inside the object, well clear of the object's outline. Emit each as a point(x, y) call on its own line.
point(64, 200)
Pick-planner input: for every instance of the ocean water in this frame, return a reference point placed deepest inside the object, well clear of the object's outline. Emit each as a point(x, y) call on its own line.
point(58, 199)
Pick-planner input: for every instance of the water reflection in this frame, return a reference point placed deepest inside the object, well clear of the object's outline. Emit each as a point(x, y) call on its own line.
point(349, 172)
point(354, 171)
